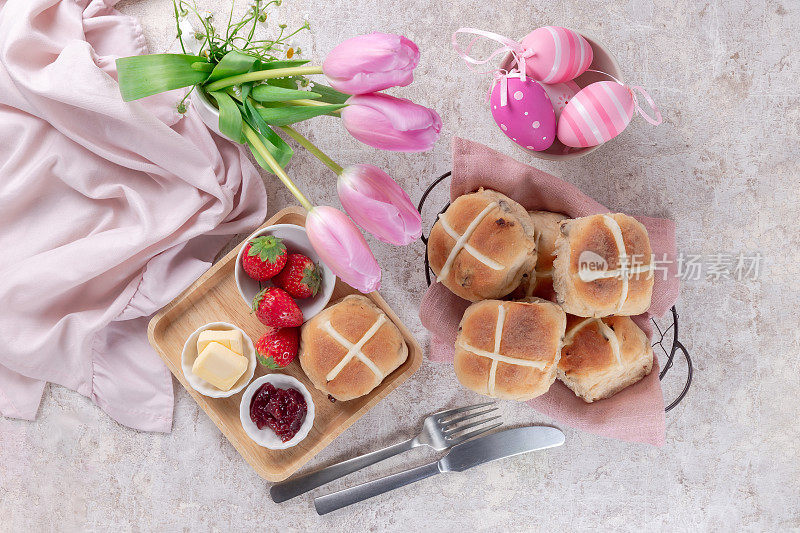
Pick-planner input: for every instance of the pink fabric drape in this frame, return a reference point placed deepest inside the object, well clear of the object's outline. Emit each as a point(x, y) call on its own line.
point(635, 414)
point(108, 210)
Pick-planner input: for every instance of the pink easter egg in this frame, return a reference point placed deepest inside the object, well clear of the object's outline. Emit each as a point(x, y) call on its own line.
point(599, 112)
point(559, 54)
point(527, 118)
point(560, 94)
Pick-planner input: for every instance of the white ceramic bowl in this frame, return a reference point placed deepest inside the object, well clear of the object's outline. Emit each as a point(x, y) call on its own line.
point(604, 62)
point(266, 437)
point(189, 355)
point(296, 241)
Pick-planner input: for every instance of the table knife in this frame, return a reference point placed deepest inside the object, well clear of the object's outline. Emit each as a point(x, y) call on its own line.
point(475, 452)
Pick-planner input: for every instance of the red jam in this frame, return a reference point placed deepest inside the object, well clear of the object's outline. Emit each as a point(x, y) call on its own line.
point(282, 410)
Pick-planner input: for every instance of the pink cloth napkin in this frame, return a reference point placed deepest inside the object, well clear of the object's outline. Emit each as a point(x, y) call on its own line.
point(635, 414)
point(108, 210)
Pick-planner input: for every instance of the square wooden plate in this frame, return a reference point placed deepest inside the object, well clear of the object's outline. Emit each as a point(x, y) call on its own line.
point(214, 297)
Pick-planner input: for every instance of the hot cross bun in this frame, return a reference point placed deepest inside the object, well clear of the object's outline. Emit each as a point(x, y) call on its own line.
point(482, 245)
point(602, 356)
point(350, 347)
point(509, 350)
point(603, 266)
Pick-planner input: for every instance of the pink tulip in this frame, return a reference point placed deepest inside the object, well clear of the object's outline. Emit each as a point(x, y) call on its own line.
point(342, 248)
point(370, 63)
point(379, 205)
point(390, 123)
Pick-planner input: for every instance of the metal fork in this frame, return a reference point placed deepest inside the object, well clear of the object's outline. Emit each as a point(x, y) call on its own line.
point(439, 431)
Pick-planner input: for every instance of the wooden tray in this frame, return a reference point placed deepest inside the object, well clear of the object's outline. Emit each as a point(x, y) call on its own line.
point(214, 297)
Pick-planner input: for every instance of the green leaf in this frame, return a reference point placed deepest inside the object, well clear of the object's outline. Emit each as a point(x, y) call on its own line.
point(245, 97)
point(276, 153)
point(286, 63)
point(268, 248)
point(253, 118)
point(260, 160)
point(245, 89)
point(274, 144)
point(232, 64)
point(279, 149)
point(230, 118)
point(283, 116)
point(141, 76)
point(269, 93)
point(202, 66)
point(329, 94)
point(290, 82)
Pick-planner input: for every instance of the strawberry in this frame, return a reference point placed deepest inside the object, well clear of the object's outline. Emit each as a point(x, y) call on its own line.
point(300, 277)
point(263, 257)
point(274, 307)
point(277, 347)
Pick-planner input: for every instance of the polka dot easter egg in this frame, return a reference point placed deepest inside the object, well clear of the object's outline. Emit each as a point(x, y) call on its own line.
point(557, 54)
point(560, 94)
point(527, 118)
point(596, 114)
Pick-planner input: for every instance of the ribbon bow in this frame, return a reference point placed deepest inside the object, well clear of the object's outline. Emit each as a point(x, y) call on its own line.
point(518, 52)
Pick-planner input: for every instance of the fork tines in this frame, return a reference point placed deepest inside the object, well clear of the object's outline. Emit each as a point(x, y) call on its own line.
point(450, 412)
point(452, 432)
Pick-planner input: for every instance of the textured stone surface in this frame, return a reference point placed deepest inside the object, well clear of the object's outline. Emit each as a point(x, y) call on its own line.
point(723, 165)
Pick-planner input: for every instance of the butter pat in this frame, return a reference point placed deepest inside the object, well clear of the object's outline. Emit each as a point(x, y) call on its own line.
point(230, 338)
point(219, 365)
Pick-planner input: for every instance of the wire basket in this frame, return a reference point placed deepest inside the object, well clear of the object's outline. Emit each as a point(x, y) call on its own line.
point(665, 330)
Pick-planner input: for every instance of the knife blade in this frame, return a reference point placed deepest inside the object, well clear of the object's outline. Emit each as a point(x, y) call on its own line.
point(499, 445)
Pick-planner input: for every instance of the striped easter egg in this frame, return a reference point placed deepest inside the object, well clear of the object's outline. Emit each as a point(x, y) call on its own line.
point(558, 54)
point(598, 113)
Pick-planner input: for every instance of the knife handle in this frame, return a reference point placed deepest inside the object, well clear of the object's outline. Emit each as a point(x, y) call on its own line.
point(336, 500)
point(286, 490)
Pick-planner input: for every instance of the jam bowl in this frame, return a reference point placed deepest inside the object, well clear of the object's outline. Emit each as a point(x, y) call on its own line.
point(282, 385)
point(189, 354)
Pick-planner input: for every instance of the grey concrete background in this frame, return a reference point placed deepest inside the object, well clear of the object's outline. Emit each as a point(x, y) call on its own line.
point(723, 165)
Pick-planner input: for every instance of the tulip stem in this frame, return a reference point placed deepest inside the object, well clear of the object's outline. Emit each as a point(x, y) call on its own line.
point(310, 103)
point(262, 75)
point(258, 146)
point(311, 147)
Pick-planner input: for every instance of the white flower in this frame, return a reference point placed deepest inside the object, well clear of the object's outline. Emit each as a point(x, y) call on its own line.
point(189, 36)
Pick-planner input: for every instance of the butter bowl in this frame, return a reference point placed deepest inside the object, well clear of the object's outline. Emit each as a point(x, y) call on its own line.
point(266, 437)
point(189, 355)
